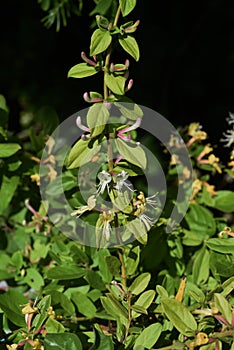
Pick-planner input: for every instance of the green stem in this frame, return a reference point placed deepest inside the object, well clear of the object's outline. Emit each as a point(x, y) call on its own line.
point(106, 94)
point(107, 60)
point(129, 315)
point(123, 268)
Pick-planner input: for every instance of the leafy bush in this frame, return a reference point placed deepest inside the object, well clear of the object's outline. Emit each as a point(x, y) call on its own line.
point(114, 272)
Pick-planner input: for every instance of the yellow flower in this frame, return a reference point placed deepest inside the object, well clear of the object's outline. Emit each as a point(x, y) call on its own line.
point(206, 150)
point(194, 130)
point(210, 188)
point(212, 160)
point(52, 173)
point(37, 345)
point(12, 347)
point(196, 187)
point(50, 142)
point(35, 178)
point(91, 202)
point(174, 159)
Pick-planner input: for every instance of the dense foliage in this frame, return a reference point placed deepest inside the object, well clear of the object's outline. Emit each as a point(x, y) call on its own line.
point(149, 287)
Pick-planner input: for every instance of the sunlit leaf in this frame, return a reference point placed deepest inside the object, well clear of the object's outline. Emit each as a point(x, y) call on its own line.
point(100, 41)
point(81, 70)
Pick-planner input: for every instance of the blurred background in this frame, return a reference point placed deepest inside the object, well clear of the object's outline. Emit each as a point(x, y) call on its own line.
point(185, 72)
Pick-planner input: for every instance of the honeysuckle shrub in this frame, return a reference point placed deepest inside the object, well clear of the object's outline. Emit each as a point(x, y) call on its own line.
point(154, 285)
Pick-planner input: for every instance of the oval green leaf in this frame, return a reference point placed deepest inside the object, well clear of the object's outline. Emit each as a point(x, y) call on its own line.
point(81, 154)
point(148, 336)
point(132, 153)
point(140, 283)
point(127, 6)
point(129, 44)
point(179, 316)
point(81, 70)
point(145, 300)
point(62, 341)
point(8, 149)
point(115, 83)
point(84, 304)
point(97, 118)
point(224, 201)
point(221, 245)
point(66, 272)
point(100, 41)
point(223, 306)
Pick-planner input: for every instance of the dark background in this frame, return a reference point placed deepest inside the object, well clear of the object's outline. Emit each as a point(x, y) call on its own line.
point(186, 69)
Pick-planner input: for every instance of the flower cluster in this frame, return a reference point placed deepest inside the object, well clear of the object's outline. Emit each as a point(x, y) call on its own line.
point(229, 134)
point(118, 187)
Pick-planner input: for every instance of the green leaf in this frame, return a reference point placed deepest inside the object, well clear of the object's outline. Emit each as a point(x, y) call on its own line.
point(221, 245)
point(66, 272)
point(10, 304)
point(81, 70)
point(100, 41)
point(133, 154)
point(129, 44)
point(81, 154)
point(138, 309)
point(221, 265)
point(34, 279)
point(102, 341)
point(3, 104)
point(201, 266)
point(113, 265)
point(224, 201)
point(8, 149)
point(62, 341)
point(148, 336)
point(114, 308)
point(191, 239)
point(201, 221)
point(44, 304)
point(4, 111)
point(101, 7)
point(129, 110)
point(138, 229)
point(103, 265)
point(145, 300)
point(140, 283)
point(94, 280)
point(58, 185)
point(115, 83)
point(223, 306)
point(7, 191)
point(53, 326)
point(61, 299)
point(133, 260)
point(162, 292)
point(97, 118)
point(127, 6)
point(84, 304)
point(179, 316)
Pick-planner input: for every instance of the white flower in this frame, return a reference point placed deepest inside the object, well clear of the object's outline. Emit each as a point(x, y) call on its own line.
point(105, 179)
point(146, 220)
point(229, 138)
point(91, 202)
point(106, 218)
point(121, 182)
point(230, 120)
